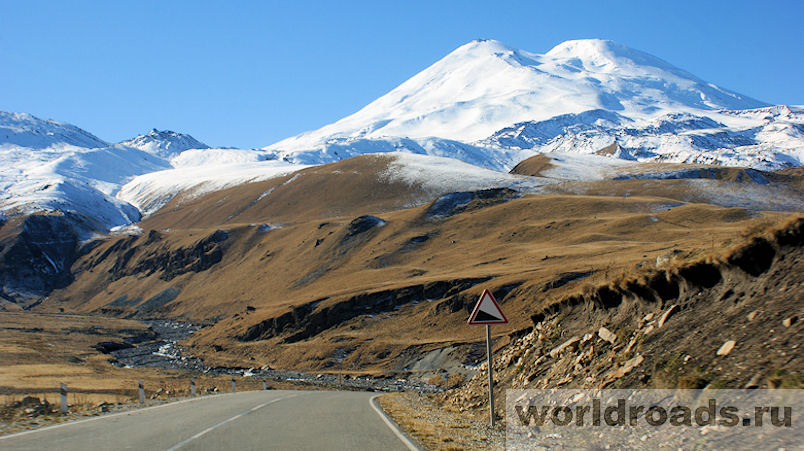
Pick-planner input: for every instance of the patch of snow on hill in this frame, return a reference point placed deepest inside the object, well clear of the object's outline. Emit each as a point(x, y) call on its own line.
point(438, 175)
point(493, 158)
point(209, 157)
point(199, 173)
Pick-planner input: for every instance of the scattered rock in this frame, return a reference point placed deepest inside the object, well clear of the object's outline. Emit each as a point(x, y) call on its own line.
point(627, 367)
point(630, 345)
point(571, 343)
point(753, 315)
point(667, 257)
point(790, 321)
point(648, 329)
point(726, 348)
point(670, 312)
point(754, 382)
point(103, 406)
point(607, 335)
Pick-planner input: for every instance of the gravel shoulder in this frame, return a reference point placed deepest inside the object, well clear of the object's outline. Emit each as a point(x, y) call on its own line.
point(439, 427)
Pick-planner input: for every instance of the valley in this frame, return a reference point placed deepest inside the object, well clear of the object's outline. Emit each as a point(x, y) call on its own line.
point(639, 227)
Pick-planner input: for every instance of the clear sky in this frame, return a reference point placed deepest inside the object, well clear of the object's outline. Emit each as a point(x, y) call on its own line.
point(248, 74)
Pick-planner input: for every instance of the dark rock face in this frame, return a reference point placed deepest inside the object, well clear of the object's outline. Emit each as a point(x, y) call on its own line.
point(132, 260)
point(309, 319)
point(36, 258)
point(454, 203)
point(363, 224)
point(107, 347)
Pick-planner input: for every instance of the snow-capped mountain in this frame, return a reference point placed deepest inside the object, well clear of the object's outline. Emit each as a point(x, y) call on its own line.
point(485, 86)
point(47, 166)
point(198, 171)
point(492, 106)
point(484, 104)
point(164, 144)
point(22, 130)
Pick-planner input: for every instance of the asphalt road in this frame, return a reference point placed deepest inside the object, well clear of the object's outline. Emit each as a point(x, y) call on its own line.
point(274, 419)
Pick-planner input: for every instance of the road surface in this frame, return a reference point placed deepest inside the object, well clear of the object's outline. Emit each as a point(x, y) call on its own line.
point(274, 419)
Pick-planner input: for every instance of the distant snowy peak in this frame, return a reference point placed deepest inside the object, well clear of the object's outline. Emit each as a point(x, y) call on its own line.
point(30, 132)
point(164, 144)
point(485, 86)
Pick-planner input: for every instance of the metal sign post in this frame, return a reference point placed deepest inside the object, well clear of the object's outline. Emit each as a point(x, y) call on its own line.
point(491, 375)
point(488, 312)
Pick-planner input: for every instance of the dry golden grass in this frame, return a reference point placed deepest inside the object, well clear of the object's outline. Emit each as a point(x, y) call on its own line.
point(527, 243)
point(349, 187)
point(534, 166)
point(436, 427)
point(41, 351)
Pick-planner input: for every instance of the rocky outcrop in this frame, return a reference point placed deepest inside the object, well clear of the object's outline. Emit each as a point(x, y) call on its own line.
point(36, 253)
point(133, 259)
point(454, 203)
point(306, 320)
point(727, 321)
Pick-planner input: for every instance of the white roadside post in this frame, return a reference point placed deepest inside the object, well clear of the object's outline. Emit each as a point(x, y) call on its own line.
point(192, 387)
point(488, 312)
point(142, 391)
point(63, 398)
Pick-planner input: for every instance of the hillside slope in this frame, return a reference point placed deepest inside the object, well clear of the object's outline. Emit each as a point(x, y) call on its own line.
point(289, 282)
point(666, 327)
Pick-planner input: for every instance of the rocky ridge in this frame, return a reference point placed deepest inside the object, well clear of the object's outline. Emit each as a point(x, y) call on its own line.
point(684, 325)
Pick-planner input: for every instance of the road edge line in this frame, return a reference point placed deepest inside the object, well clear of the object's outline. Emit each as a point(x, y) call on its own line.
point(400, 434)
point(127, 412)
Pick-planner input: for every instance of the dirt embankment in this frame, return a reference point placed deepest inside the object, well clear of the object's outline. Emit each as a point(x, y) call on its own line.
point(726, 321)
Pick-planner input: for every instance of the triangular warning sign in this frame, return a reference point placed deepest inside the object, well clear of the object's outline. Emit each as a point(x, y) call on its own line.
point(487, 311)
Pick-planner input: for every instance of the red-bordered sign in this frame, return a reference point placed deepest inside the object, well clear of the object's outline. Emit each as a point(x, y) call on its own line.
point(487, 311)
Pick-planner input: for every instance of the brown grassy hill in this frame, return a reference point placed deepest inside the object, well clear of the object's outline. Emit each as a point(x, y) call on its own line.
point(333, 289)
point(534, 166)
point(345, 188)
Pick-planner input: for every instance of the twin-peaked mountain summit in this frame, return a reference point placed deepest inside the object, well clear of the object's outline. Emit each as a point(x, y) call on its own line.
point(485, 86)
point(486, 104)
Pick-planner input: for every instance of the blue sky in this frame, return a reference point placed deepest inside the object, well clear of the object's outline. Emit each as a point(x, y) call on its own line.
point(248, 74)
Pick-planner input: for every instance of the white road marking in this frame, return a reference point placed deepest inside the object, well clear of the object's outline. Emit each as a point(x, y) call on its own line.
point(212, 428)
point(110, 415)
point(391, 425)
